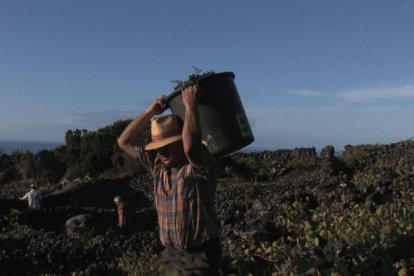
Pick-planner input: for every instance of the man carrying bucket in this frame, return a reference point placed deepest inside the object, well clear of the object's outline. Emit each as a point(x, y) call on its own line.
point(184, 186)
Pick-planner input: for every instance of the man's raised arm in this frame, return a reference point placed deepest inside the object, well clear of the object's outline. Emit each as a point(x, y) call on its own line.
point(127, 141)
point(191, 128)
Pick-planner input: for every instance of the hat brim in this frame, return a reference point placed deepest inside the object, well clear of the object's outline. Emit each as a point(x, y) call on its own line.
point(163, 142)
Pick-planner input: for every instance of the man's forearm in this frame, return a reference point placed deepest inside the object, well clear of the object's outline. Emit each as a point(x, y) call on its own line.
point(128, 137)
point(192, 135)
point(191, 128)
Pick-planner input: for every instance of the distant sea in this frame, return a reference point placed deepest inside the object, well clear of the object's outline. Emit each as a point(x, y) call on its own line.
point(9, 146)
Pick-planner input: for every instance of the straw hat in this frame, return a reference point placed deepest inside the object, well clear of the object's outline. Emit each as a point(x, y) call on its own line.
point(164, 130)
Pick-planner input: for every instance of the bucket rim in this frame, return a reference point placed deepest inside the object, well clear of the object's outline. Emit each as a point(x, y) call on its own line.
point(203, 79)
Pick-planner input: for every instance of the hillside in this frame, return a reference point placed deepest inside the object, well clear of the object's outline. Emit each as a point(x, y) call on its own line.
point(280, 212)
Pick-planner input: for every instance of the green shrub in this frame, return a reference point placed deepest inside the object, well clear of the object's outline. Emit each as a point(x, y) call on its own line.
point(361, 157)
point(133, 263)
point(349, 241)
point(249, 167)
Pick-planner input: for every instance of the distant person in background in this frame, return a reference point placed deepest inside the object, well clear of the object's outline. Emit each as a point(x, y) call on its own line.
point(33, 198)
point(184, 177)
point(123, 213)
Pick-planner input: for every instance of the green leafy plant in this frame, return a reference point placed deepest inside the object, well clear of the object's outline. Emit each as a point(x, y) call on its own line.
point(192, 78)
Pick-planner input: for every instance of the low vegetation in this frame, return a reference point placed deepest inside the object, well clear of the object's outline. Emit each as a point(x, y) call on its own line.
point(281, 213)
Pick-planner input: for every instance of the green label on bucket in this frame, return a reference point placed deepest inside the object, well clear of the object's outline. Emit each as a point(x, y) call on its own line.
point(244, 125)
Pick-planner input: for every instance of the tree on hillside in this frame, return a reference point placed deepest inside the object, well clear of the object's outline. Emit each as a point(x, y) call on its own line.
point(8, 171)
point(60, 153)
point(120, 161)
point(117, 127)
point(96, 152)
point(73, 152)
point(49, 167)
point(24, 163)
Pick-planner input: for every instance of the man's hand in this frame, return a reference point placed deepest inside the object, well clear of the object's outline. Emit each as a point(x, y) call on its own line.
point(191, 95)
point(158, 106)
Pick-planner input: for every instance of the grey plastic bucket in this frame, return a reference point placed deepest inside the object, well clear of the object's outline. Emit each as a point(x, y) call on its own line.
point(223, 121)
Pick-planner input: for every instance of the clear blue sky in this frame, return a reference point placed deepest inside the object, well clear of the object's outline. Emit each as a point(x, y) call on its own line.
point(309, 72)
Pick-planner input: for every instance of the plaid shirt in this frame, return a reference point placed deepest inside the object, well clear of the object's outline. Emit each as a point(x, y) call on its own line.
point(185, 204)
